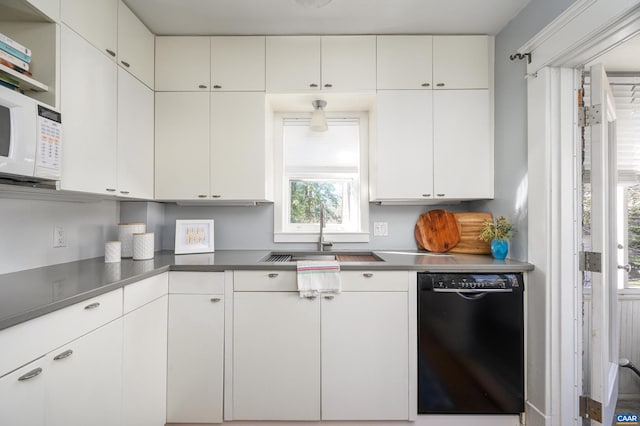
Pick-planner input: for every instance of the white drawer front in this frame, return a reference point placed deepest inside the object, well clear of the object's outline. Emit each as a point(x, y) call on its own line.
point(375, 280)
point(265, 281)
point(196, 282)
point(25, 342)
point(145, 291)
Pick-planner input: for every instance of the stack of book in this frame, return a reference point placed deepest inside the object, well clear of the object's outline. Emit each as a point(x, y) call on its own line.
point(14, 56)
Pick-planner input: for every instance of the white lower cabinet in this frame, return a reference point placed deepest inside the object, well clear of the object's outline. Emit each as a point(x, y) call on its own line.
point(195, 348)
point(338, 357)
point(22, 396)
point(276, 356)
point(145, 364)
point(84, 380)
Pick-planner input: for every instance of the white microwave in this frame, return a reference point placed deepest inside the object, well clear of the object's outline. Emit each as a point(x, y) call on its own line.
point(30, 139)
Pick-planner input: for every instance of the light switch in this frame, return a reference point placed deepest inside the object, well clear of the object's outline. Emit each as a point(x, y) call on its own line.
point(380, 229)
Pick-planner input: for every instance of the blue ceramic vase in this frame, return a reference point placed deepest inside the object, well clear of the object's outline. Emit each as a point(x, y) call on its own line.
point(499, 248)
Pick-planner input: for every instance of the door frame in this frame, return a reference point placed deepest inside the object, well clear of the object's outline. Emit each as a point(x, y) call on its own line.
point(583, 32)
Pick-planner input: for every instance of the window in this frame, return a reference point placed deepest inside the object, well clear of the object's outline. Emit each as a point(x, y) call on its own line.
point(321, 168)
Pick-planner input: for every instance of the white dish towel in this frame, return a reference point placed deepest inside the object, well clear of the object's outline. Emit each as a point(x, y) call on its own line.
point(315, 277)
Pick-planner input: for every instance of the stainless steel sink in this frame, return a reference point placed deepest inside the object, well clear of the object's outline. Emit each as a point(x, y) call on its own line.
point(283, 257)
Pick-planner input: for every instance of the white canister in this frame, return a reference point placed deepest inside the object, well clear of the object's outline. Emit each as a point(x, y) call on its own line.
point(143, 246)
point(125, 235)
point(112, 250)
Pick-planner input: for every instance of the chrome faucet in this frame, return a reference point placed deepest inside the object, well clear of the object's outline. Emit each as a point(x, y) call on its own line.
point(321, 242)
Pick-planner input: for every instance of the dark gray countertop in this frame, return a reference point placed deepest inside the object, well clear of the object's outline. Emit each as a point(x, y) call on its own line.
point(29, 294)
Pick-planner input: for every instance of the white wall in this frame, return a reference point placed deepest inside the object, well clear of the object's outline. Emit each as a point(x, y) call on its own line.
point(26, 231)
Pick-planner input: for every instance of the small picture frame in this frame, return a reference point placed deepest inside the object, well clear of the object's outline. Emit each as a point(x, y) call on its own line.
point(194, 236)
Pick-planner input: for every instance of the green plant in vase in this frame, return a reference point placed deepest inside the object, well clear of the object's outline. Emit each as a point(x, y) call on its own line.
point(497, 231)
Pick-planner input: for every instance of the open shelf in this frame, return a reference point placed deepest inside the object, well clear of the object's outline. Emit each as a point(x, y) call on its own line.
point(26, 82)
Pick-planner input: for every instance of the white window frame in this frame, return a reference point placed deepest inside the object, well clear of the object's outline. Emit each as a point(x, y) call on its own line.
point(280, 209)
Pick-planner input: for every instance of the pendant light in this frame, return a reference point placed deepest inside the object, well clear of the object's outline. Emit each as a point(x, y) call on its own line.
point(318, 121)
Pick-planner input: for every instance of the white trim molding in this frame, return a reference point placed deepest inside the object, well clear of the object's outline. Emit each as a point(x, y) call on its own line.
point(580, 28)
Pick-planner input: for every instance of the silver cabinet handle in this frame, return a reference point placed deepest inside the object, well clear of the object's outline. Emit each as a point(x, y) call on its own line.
point(329, 297)
point(215, 299)
point(440, 195)
point(425, 84)
point(92, 306)
point(626, 267)
point(124, 192)
point(217, 86)
point(328, 85)
point(367, 275)
point(63, 355)
point(111, 52)
point(440, 84)
point(202, 196)
point(30, 375)
point(426, 195)
point(273, 275)
point(313, 85)
point(216, 196)
point(111, 189)
point(312, 297)
point(126, 64)
point(202, 86)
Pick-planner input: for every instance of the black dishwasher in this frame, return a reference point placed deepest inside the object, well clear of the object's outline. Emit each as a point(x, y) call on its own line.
point(470, 343)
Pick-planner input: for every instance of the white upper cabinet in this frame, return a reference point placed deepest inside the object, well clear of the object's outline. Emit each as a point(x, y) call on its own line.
point(88, 105)
point(183, 64)
point(463, 147)
point(404, 62)
point(293, 63)
point(238, 63)
point(135, 137)
point(182, 146)
point(330, 63)
point(96, 21)
point(135, 45)
point(403, 153)
point(348, 63)
point(461, 62)
point(238, 148)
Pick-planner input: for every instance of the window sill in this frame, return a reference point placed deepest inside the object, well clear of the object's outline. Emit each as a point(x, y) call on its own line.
point(300, 237)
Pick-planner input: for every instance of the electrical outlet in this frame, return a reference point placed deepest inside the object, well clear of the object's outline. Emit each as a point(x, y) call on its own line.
point(380, 229)
point(59, 239)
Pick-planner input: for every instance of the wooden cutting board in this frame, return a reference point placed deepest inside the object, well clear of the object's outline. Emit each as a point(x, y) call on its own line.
point(437, 231)
point(469, 226)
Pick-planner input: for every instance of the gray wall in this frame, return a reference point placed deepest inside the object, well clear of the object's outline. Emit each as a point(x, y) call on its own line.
point(511, 119)
point(26, 230)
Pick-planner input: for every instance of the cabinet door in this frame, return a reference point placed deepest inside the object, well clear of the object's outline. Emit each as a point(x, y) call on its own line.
point(96, 21)
point(238, 148)
point(404, 62)
point(135, 45)
point(182, 64)
point(461, 62)
point(135, 137)
point(22, 395)
point(365, 356)
point(403, 166)
point(237, 63)
point(195, 360)
point(145, 365)
point(463, 149)
point(182, 145)
point(293, 63)
point(276, 356)
point(85, 381)
point(348, 63)
point(88, 102)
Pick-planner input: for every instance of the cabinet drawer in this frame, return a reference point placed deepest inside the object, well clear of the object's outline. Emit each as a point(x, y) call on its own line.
point(196, 282)
point(32, 339)
point(145, 291)
point(375, 280)
point(265, 281)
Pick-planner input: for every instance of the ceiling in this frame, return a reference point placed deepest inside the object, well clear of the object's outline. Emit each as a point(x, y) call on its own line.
point(623, 58)
point(273, 17)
